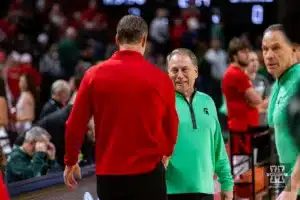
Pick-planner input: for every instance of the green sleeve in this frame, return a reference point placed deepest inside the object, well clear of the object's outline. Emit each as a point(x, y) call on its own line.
point(23, 170)
point(272, 103)
point(222, 165)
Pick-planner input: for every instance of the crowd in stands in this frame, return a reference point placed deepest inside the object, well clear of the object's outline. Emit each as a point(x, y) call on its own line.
point(43, 56)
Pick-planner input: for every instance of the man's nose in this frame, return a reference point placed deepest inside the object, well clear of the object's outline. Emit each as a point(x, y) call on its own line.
point(180, 74)
point(269, 54)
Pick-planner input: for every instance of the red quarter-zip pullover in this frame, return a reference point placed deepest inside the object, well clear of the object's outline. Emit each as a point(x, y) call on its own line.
point(133, 104)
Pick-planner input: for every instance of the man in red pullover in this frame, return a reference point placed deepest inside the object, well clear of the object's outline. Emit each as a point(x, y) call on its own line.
point(136, 124)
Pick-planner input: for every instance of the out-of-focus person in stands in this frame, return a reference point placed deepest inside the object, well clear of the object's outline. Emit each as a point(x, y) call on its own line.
point(200, 150)
point(3, 190)
point(217, 58)
point(56, 16)
point(25, 107)
point(33, 158)
point(4, 139)
point(69, 53)
point(133, 135)
point(26, 67)
point(19, 65)
point(159, 31)
point(189, 39)
point(260, 83)
point(55, 125)
point(177, 32)
point(12, 75)
point(60, 94)
point(50, 69)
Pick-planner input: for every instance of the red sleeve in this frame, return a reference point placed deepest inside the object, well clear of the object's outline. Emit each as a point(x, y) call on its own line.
point(242, 82)
point(170, 122)
point(77, 124)
point(3, 190)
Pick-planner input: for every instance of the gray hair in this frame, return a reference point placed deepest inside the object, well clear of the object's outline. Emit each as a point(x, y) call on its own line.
point(277, 27)
point(60, 86)
point(35, 134)
point(184, 52)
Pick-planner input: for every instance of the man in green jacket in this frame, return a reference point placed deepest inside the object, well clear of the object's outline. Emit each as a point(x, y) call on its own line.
point(281, 61)
point(200, 151)
point(33, 158)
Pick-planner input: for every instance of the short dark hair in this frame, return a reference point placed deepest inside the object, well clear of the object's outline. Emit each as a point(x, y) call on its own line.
point(236, 45)
point(186, 52)
point(131, 29)
point(276, 27)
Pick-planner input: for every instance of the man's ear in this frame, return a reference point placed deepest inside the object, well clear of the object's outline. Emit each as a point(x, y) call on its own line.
point(116, 40)
point(296, 47)
point(196, 70)
point(144, 40)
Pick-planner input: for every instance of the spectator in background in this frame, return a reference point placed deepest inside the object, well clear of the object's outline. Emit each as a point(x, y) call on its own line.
point(69, 53)
point(189, 39)
point(42, 45)
point(26, 67)
point(25, 107)
point(217, 57)
point(76, 21)
point(177, 32)
point(55, 124)
point(60, 94)
point(56, 16)
point(33, 158)
point(89, 14)
point(50, 69)
point(20, 64)
point(159, 31)
point(13, 75)
point(260, 83)
point(4, 139)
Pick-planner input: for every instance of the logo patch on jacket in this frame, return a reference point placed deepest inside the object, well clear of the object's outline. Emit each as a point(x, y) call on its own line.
point(205, 110)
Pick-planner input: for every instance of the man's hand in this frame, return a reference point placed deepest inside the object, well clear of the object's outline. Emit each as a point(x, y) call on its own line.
point(69, 175)
point(285, 195)
point(226, 195)
point(51, 151)
point(165, 161)
point(40, 147)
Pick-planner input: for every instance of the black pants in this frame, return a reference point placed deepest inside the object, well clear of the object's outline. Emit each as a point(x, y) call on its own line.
point(191, 196)
point(149, 186)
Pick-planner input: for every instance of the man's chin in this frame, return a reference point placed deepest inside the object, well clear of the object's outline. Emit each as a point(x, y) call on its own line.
point(180, 89)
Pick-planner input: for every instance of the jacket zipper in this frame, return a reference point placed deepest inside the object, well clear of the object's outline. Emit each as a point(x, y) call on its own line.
point(193, 115)
point(190, 104)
